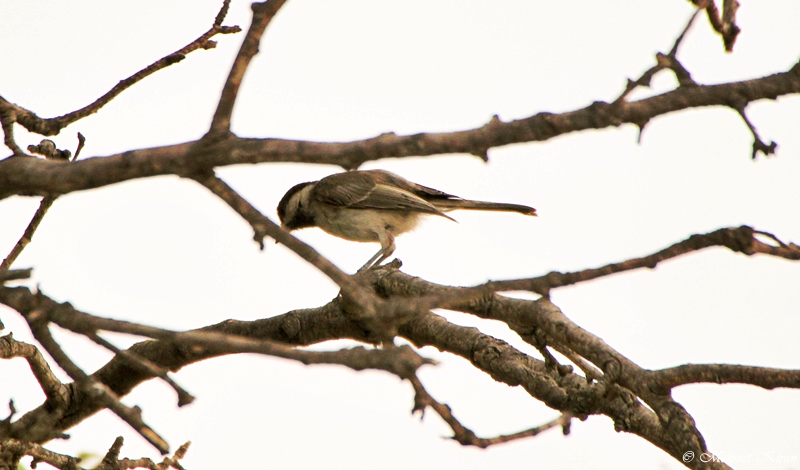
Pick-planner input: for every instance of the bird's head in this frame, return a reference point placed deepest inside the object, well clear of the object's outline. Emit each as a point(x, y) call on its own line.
point(293, 208)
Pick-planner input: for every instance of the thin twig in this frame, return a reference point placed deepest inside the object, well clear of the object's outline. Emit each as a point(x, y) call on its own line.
point(38, 216)
point(52, 126)
point(464, 435)
point(138, 362)
point(38, 322)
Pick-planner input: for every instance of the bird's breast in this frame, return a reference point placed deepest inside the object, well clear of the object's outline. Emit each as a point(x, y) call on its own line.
point(365, 225)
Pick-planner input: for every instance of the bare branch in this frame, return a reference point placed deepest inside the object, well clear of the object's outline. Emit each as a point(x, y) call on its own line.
point(48, 148)
point(363, 304)
point(464, 435)
point(11, 450)
point(95, 391)
point(758, 144)
point(184, 397)
point(763, 377)
point(262, 16)
point(740, 239)
point(10, 112)
point(27, 176)
point(724, 24)
point(569, 393)
point(53, 389)
point(662, 62)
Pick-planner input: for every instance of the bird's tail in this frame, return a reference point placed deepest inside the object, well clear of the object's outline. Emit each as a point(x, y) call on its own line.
point(455, 204)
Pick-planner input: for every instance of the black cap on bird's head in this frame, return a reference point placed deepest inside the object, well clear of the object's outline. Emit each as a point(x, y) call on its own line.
point(290, 211)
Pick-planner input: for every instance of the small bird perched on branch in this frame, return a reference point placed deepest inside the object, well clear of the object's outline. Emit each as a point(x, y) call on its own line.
point(372, 206)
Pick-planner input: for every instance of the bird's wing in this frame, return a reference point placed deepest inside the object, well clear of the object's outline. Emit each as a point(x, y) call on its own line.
point(386, 177)
point(359, 190)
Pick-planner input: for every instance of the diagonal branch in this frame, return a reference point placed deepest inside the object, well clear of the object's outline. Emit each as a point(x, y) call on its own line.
point(365, 303)
point(38, 216)
point(10, 112)
point(263, 13)
point(53, 389)
point(95, 391)
point(464, 435)
point(724, 24)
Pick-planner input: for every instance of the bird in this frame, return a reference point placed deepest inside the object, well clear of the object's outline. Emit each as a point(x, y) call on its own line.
point(372, 206)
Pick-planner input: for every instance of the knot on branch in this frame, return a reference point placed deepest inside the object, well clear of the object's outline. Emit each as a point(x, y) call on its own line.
point(739, 239)
point(48, 149)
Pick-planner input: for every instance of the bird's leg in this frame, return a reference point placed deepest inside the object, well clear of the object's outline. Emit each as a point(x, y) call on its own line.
point(387, 248)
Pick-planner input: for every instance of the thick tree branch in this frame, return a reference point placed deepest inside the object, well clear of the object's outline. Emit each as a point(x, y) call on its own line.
point(540, 323)
point(25, 176)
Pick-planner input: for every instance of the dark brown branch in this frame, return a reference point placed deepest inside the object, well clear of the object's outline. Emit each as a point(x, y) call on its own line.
point(668, 61)
point(464, 435)
point(27, 176)
point(329, 322)
point(568, 393)
point(740, 239)
point(724, 24)
point(758, 144)
point(10, 112)
point(401, 361)
point(263, 13)
point(27, 236)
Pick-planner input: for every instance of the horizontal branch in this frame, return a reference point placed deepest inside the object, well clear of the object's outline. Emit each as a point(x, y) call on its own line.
point(28, 176)
point(742, 239)
point(763, 377)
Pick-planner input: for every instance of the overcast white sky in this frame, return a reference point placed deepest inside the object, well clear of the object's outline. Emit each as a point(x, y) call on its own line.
point(165, 252)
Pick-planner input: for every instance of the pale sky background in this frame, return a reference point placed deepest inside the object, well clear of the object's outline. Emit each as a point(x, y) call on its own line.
point(165, 252)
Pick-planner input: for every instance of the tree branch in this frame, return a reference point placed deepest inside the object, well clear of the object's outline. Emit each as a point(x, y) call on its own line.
point(10, 112)
point(465, 436)
point(262, 16)
point(25, 176)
